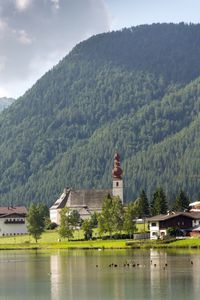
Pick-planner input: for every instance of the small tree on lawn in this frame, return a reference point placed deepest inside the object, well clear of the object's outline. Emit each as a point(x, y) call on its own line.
point(111, 217)
point(35, 222)
point(65, 229)
point(74, 218)
point(106, 223)
point(101, 225)
point(118, 214)
point(87, 228)
point(129, 220)
point(94, 219)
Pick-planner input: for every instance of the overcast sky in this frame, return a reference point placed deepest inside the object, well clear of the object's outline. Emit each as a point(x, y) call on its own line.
point(36, 34)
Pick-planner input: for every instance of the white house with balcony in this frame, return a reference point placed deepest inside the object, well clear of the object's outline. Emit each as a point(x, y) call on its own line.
point(13, 220)
point(185, 221)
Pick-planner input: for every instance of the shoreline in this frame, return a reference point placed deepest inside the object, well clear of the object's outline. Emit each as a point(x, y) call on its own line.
point(105, 245)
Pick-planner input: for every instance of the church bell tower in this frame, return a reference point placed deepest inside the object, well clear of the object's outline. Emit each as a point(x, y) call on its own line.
point(117, 178)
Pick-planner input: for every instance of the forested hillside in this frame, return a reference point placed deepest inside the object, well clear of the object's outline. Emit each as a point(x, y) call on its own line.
point(5, 102)
point(135, 90)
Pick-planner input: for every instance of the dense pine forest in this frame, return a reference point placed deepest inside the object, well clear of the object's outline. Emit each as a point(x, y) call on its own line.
point(136, 91)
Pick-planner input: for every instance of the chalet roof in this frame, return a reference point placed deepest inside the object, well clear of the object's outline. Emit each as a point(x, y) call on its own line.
point(91, 199)
point(194, 203)
point(12, 210)
point(192, 215)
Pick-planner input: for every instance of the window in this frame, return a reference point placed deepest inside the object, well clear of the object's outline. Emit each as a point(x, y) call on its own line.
point(154, 233)
point(117, 183)
point(153, 224)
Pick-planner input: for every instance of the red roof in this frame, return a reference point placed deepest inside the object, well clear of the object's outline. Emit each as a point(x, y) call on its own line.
point(8, 210)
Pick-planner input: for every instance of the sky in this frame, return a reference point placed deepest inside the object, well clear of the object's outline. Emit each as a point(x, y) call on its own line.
point(36, 34)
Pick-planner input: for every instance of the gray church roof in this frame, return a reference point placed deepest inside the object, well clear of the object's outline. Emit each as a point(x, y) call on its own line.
point(91, 199)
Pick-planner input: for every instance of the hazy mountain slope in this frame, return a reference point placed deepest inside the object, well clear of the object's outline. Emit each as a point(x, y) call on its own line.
point(5, 102)
point(132, 91)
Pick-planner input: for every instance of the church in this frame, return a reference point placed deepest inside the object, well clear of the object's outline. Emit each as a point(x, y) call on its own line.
point(88, 201)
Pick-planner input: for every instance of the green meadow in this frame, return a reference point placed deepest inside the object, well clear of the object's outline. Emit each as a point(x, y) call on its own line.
point(51, 240)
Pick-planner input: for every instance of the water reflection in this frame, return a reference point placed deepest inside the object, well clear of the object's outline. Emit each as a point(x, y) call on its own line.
point(86, 275)
point(174, 275)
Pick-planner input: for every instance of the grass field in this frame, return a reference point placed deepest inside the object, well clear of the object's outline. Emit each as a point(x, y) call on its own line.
point(51, 240)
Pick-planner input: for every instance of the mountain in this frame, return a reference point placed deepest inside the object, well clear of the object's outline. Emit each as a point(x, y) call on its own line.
point(5, 102)
point(136, 90)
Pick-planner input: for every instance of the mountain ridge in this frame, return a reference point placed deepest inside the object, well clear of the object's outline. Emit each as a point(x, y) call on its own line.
point(65, 129)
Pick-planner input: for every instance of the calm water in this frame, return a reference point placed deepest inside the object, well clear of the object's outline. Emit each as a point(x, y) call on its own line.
point(74, 275)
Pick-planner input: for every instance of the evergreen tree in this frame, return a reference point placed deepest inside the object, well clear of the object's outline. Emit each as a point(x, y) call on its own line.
point(65, 229)
point(159, 203)
point(182, 202)
point(143, 206)
point(35, 221)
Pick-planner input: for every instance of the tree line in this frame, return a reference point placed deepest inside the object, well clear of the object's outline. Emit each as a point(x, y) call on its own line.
point(113, 219)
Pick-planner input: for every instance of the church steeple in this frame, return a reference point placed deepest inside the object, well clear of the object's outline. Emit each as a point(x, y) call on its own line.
point(117, 177)
point(117, 171)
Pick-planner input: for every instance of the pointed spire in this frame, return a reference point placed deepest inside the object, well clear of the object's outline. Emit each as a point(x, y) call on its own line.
point(117, 171)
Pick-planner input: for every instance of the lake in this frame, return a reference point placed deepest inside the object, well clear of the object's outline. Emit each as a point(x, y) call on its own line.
point(86, 275)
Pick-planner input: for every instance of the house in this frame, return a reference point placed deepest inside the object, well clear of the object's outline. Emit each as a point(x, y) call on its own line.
point(88, 201)
point(195, 206)
point(13, 220)
point(185, 221)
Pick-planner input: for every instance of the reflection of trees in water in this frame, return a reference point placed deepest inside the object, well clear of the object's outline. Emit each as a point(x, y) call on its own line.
point(140, 274)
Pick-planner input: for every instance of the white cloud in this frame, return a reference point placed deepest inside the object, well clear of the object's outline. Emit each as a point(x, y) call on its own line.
point(3, 60)
point(36, 34)
point(56, 3)
point(3, 28)
point(3, 25)
point(24, 38)
point(3, 92)
point(23, 4)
